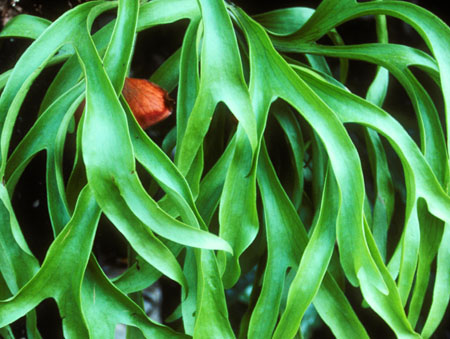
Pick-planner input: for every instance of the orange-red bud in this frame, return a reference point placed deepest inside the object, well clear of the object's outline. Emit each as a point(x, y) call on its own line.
point(149, 103)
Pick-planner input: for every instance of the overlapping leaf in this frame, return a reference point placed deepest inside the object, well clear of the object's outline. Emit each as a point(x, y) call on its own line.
point(327, 195)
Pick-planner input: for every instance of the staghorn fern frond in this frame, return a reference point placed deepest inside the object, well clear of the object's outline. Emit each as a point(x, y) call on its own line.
point(261, 183)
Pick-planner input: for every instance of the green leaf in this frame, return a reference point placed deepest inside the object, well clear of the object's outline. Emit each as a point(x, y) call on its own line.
point(313, 264)
point(17, 263)
point(31, 63)
point(75, 240)
point(286, 239)
point(105, 307)
point(237, 214)
point(287, 120)
point(111, 170)
point(355, 256)
point(441, 296)
point(48, 133)
point(213, 182)
point(284, 21)
point(25, 26)
point(332, 13)
point(422, 182)
point(219, 61)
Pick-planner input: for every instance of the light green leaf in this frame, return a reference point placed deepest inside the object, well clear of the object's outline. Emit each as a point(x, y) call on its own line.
point(355, 255)
point(25, 26)
point(314, 263)
point(75, 240)
point(219, 61)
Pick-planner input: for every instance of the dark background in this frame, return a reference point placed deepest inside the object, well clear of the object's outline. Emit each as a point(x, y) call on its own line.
point(152, 48)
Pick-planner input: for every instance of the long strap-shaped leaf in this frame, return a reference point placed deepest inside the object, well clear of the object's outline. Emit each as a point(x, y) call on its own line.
point(237, 214)
point(441, 295)
point(433, 142)
point(422, 181)
point(145, 274)
point(204, 309)
point(140, 233)
point(290, 125)
point(17, 262)
point(31, 63)
point(383, 206)
point(75, 241)
point(221, 80)
point(175, 185)
point(44, 135)
point(25, 26)
point(28, 67)
point(112, 165)
point(98, 292)
point(433, 146)
point(111, 168)
point(263, 92)
point(313, 264)
point(287, 240)
point(435, 33)
point(116, 140)
point(150, 14)
point(104, 307)
point(355, 256)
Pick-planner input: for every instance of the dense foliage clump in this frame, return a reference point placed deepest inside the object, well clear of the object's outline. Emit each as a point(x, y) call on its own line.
point(279, 190)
